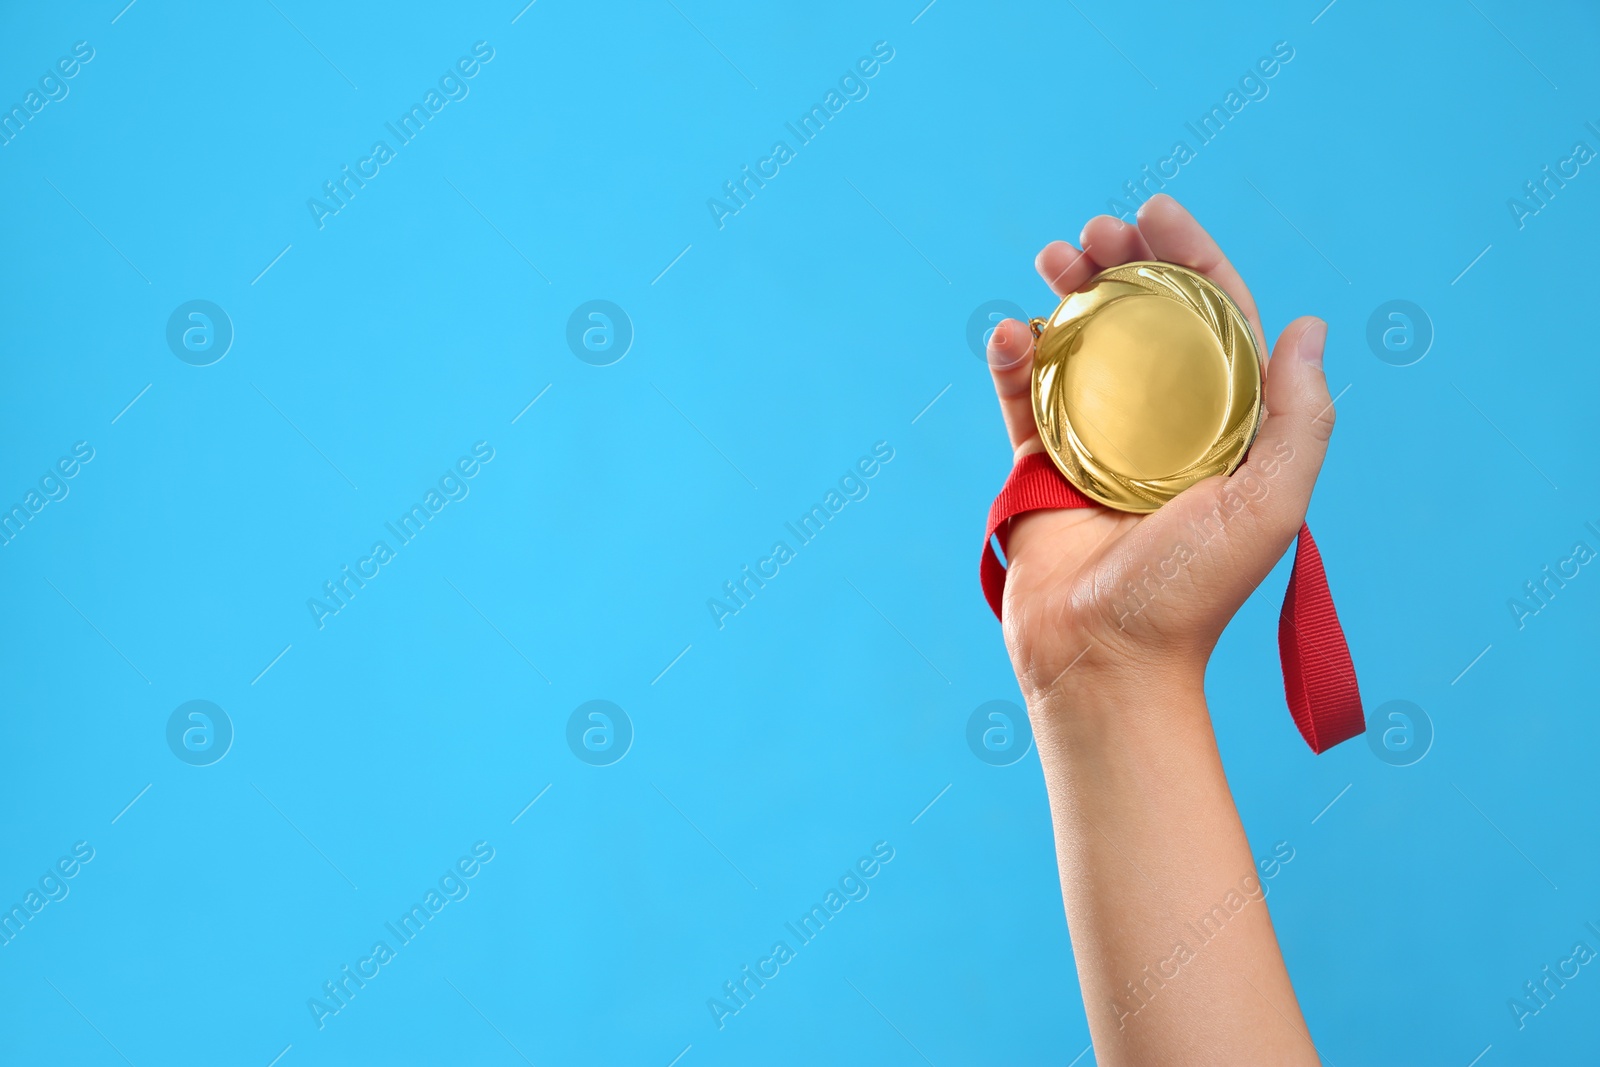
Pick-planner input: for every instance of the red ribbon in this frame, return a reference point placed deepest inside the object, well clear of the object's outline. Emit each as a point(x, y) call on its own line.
point(1319, 678)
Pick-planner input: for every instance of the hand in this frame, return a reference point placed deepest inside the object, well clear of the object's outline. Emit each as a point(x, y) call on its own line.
point(1094, 592)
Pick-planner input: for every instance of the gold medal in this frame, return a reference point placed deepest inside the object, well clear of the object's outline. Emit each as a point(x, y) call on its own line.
point(1145, 382)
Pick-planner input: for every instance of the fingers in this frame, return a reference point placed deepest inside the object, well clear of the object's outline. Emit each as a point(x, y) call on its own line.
point(1114, 241)
point(1107, 242)
point(1175, 237)
point(1284, 461)
point(1165, 232)
point(1011, 362)
point(1064, 268)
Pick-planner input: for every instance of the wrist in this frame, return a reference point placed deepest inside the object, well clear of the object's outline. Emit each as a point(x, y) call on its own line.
point(1092, 706)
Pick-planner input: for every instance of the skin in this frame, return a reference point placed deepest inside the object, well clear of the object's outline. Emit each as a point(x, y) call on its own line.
point(1148, 839)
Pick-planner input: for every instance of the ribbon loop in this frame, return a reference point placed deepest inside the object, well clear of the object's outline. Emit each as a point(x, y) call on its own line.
point(1319, 678)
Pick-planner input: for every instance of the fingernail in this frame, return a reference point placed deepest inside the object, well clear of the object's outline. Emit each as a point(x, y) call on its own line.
point(999, 336)
point(1311, 342)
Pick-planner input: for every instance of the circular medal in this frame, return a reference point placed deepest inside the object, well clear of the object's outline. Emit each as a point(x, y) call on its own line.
point(1145, 382)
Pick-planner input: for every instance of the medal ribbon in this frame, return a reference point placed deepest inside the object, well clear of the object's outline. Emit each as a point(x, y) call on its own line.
point(1319, 678)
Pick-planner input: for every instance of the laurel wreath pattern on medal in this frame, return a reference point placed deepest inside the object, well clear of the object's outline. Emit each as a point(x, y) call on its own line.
point(1075, 460)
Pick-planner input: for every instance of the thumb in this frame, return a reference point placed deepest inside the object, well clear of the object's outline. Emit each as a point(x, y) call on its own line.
point(1243, 523)
point(1287, 455)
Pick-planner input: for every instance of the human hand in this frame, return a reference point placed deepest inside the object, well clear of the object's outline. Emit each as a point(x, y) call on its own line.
point(1095, 596)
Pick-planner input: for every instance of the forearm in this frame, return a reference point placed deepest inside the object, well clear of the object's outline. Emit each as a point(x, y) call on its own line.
point(1175, 950)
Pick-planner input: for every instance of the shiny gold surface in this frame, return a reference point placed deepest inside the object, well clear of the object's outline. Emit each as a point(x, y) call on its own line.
point(1146, 381)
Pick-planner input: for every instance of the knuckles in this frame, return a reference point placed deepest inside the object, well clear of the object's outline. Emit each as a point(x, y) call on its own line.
point(1321, 420)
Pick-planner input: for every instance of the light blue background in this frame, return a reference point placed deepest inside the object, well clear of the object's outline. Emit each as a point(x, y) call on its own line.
point(826, 715)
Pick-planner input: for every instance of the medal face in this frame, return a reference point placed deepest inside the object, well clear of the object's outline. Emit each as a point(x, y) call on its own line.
point(1144, 383)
